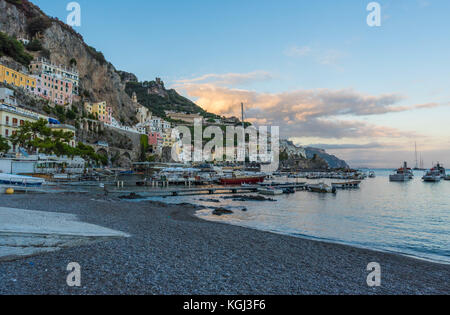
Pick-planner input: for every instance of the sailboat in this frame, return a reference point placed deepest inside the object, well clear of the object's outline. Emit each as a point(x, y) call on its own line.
point(417, 168)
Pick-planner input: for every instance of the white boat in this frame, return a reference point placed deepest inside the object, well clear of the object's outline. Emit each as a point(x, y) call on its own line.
point(271, 191)
point(403, 174)
point(322, 188)
point(432, 176)
point(17, 180)
point(372, 174)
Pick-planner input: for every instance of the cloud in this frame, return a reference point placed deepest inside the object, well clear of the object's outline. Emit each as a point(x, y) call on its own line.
point(228, 79)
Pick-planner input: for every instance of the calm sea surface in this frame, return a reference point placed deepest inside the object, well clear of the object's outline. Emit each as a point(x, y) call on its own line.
point(409, 218)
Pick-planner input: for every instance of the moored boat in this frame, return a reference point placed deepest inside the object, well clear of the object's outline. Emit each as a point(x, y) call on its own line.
point(322, 188)
point(239, 180)
point(271, 191)
point(403, 174)
point(17, 180)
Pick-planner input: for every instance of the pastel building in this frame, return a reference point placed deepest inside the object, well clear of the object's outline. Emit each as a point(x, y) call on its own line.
point(18, 79)
point(101, 110)
point(43, 66)
point(54, 88)
point(155, 140)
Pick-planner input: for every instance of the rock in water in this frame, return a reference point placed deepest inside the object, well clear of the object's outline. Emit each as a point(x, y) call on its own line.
point(131, 196)
point(221, 211)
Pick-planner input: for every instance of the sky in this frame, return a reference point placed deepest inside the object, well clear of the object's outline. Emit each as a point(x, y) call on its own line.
point(314, 68)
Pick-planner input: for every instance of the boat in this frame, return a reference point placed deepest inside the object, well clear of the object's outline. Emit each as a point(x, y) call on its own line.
point(239, 180)
point(288, 191)
point(435, 174)
point(322, 188)
point(270, 191)
point(432, 176)
point(372, 174)
point(18, 180)
point(447, 177)
point(402, 174)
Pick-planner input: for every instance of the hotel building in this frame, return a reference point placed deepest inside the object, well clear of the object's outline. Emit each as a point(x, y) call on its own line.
point(43, 66)
point(12, 77)
point(54, 88)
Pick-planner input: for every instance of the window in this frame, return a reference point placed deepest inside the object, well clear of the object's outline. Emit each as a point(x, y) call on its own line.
point(7, 120)
point(6, 132)
point(15, 121)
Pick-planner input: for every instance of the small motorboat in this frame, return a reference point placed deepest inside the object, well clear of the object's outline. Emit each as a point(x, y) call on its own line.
point(288, 191)
point(432, 176)
point(372, 174)
point(271, 191)
point(322, 188)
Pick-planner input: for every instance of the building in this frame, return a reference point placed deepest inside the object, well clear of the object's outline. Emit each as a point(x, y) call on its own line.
point(101, 110)
point(168, 140)
point(155, 140)
point(12, 117)
point(43, 66)
point(189, 118)
point(54, 88)
point(7, 97)
point(65, 128)
point(12, 77)
point(143, 115)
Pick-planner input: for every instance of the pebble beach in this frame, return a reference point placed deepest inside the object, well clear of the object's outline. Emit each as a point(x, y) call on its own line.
point(171, 251)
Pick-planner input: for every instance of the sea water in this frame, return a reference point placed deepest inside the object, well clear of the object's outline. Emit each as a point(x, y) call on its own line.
point(411, 218)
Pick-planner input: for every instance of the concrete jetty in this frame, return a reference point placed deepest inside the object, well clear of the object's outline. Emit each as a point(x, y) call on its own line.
point(26, 232)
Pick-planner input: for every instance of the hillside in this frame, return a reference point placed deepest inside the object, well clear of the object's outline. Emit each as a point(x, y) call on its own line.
point(154, 96)
point(58, 42)
point(333, 161)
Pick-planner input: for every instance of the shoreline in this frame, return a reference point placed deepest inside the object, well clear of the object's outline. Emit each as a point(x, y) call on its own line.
point(172, 251)
point(324, 240)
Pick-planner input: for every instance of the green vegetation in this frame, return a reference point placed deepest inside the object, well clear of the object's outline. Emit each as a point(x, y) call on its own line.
point(98, 55)
point(37, 136)
point(61, 113)
point(144, 148)
point(4, 146)
point(38, 24)
point(13, 48)
point(158, 104)
point(34, 45)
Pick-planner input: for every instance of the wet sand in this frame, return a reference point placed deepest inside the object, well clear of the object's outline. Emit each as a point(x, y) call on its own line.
point(170, 251)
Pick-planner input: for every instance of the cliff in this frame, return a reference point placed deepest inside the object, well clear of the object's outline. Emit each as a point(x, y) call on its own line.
point(99, 80)
point(332, 161)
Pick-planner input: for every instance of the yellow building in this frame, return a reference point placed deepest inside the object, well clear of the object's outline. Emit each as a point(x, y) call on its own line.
point(65, 128)
point(101, 110)
point(10, 76)
point(12, 117)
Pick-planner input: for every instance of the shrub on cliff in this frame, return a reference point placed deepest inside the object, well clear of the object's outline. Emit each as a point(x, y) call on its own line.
point(13, 48)
point(34, 45)
point(38, 24)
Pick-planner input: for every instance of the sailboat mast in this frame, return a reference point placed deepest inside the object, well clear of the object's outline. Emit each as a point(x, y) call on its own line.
point(417, 162)
point(243, 130)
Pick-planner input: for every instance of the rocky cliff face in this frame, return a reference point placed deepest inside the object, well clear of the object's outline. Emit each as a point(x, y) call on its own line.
point(99, 80)
point(332, 161)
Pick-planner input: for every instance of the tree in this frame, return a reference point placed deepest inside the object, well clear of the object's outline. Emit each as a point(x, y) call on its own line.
point(4, 145)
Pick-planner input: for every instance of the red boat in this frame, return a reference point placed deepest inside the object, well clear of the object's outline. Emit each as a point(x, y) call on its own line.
point(242, 180)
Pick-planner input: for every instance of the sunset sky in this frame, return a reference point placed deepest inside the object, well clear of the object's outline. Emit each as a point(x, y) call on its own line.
point(314, 68)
